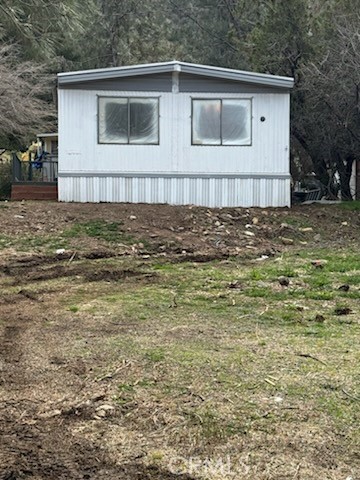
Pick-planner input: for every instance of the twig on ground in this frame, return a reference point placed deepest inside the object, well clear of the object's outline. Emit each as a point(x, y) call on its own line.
point(119, 324)
point(197, 395)
point(174, 302)
point(114, 373)
point(307, 355)
point(72, 257)
point(270, 382)
point(353, 397)
point(297, 471)
point(22, 415)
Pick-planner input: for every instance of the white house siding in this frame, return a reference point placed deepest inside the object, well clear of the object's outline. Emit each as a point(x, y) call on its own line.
point(211, 192)
point(174, 172)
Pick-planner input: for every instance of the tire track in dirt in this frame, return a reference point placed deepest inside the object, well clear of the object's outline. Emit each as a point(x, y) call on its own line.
point(11, 351)
point(32, 445)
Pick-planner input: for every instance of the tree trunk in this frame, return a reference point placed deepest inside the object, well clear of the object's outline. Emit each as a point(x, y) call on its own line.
point(319, 165)
point(345, 170)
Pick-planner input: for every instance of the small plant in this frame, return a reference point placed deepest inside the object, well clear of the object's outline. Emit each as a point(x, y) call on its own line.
point(288, 316)
point(256, 274)
point(74, 309)
point(155, 355)
point(287, 272)
point(156, 456)
point(125, 387)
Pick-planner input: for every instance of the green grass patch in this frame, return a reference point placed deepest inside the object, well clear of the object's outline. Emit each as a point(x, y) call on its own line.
point(155, 355)
point(111, 232)
point(353, 206)
point(95, 228)
point(74, 309)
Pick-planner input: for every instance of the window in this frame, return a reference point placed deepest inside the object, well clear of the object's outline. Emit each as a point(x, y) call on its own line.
point(221, 122)
point(132, 121)
point(54, 147)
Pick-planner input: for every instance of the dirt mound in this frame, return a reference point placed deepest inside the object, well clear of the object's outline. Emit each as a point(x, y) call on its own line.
point(106, 230)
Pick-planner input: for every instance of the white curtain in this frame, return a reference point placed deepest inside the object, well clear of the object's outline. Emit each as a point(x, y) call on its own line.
point(226, 122)
point(236, 122)
point(129, 120)
point(144, 121)
point(113, 120)
point(206, 122)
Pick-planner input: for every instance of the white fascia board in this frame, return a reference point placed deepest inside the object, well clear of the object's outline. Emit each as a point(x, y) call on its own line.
point(116, 72)
point(238, 75)
point(174, 66)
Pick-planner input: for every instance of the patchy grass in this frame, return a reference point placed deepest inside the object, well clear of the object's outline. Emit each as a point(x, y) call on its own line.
point(39, 243)
point(213, 360)
point(111, 232)
point(221, 365)
point(350, 206)
point(33, 243)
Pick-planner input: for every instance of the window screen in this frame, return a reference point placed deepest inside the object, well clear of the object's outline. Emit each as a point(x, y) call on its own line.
point(221, 122)
point(129, 120)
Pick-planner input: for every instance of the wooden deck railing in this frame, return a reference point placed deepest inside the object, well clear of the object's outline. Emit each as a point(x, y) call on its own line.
point(44, 169)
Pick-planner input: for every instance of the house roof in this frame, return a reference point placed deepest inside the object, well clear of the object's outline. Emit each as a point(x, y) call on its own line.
point(263, 79)
point(47, 135)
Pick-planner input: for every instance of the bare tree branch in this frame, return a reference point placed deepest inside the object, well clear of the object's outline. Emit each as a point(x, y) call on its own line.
point(23, 87)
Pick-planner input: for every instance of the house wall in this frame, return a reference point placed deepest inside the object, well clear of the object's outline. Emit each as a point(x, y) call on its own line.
point(47, 143)
point(175, 171)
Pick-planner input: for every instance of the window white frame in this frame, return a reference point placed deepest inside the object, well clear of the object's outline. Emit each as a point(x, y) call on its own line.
point(221, 100)
point(128, 100)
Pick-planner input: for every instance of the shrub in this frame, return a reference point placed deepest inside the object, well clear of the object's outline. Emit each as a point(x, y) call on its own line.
point(5, 180)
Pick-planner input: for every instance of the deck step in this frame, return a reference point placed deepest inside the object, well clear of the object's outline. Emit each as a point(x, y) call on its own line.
point(34, 192)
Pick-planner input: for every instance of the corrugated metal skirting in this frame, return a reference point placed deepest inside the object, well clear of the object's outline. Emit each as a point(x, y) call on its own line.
point(209, 192)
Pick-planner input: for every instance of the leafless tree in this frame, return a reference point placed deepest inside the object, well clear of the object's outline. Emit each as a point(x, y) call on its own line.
point(23, 90)
point(333, 90)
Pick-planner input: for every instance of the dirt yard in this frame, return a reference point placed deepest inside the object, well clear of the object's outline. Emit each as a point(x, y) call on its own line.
point(158, 342)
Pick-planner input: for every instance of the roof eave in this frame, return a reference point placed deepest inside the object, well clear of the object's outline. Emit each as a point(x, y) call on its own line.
point(47, 135)
point(112, 73)
point(168, 67)
point(240, 76)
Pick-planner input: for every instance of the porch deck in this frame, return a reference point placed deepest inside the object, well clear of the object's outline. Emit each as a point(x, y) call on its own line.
point(34, 191)
point(34, 180)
